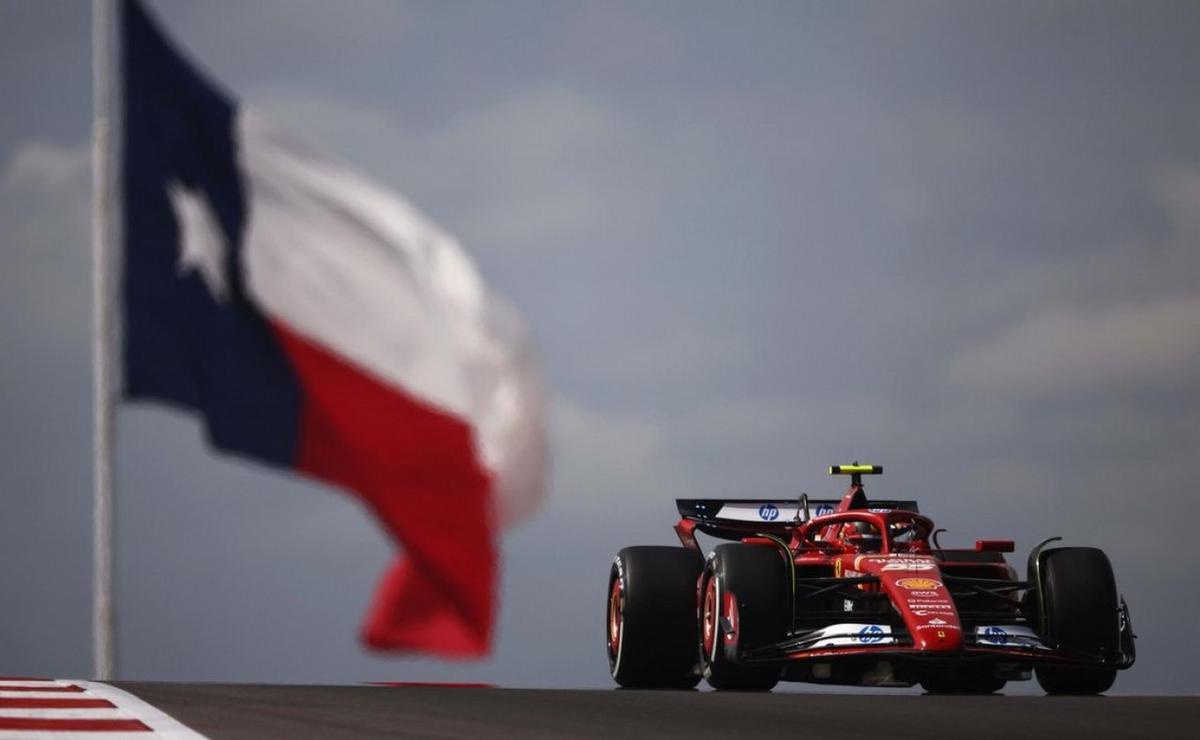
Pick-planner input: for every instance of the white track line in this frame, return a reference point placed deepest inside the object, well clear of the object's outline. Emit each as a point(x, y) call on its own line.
point(80, 735)
point(163, 724)
point(44, 694)
point(85, 713)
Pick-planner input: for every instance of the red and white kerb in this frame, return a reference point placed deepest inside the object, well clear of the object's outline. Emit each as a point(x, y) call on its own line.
point(60, 709)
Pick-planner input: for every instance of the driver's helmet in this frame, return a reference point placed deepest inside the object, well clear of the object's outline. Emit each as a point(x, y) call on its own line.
point(865, 536)
point(907, 536)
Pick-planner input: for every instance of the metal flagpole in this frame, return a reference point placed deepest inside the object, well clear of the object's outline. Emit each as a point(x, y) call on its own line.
point(103, 386)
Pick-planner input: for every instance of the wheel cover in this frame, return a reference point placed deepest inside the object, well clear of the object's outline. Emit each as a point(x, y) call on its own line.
point(615, 618)
point(711, 616)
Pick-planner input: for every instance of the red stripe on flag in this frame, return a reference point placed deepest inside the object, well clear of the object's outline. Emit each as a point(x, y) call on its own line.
point(416, 468)
point(72, 689)
point(21, 702)
point(67, 725)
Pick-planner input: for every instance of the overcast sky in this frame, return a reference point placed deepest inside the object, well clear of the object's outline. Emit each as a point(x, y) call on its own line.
point(960, 240)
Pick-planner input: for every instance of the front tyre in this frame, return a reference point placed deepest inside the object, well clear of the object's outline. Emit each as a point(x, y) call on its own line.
point(1073, 681)
point(1080, 613)
point(651, 617)
point(745, 587)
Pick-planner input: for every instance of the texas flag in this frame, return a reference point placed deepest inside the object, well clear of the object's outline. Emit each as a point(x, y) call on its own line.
point(320, 323)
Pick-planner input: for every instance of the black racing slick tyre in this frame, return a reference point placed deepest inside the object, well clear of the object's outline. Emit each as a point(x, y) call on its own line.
point(755, 577)
point(1080, 613)
point(651, 622)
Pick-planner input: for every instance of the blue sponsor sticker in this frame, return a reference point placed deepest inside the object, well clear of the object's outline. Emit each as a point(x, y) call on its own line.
point(824, 510)
point(768, 512)
point(870, 633)
point(995, 635)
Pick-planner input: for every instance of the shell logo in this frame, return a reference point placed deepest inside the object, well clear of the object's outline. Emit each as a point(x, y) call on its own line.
point(919, 584)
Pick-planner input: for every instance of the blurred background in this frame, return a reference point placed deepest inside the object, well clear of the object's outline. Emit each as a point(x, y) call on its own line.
point(960, 240)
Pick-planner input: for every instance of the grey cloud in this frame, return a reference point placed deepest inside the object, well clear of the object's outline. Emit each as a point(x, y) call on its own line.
point(1125, 318)
point(41, 166)
point(1069, 352)
point(503, 165)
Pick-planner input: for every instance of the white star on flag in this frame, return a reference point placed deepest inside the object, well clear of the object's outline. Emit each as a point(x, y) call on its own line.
point(202, 244)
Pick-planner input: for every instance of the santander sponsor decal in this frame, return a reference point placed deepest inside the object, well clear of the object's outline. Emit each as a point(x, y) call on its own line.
point(937, 623)
point(898, 561)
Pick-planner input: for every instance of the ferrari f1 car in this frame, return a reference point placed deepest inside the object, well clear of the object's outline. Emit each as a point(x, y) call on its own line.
point(858, 592)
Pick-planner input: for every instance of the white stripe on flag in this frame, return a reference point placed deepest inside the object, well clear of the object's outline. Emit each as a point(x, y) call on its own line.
point(356, 268)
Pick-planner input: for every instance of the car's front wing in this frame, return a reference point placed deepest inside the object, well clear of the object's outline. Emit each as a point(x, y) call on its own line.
point(994, 643)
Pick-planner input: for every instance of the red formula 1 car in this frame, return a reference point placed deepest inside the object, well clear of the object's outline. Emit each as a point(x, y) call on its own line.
point(858, 592)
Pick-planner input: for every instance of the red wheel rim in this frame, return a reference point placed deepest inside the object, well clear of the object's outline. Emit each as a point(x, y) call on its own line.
point(614, 618)
point(709, 624)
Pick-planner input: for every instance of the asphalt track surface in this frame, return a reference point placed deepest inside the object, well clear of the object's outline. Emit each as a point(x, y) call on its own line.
point(332, 712)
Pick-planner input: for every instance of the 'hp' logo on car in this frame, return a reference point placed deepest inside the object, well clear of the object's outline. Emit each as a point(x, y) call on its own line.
point(824, 509)
point(995, 635)
point(870, 633)
point(768, 512)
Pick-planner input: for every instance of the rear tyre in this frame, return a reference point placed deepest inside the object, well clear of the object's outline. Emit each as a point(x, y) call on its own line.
point(652, 617)
point(1081, 615)
point(757, 578)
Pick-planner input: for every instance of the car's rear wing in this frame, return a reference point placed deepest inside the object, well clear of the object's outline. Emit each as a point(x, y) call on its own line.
point(733, 518)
